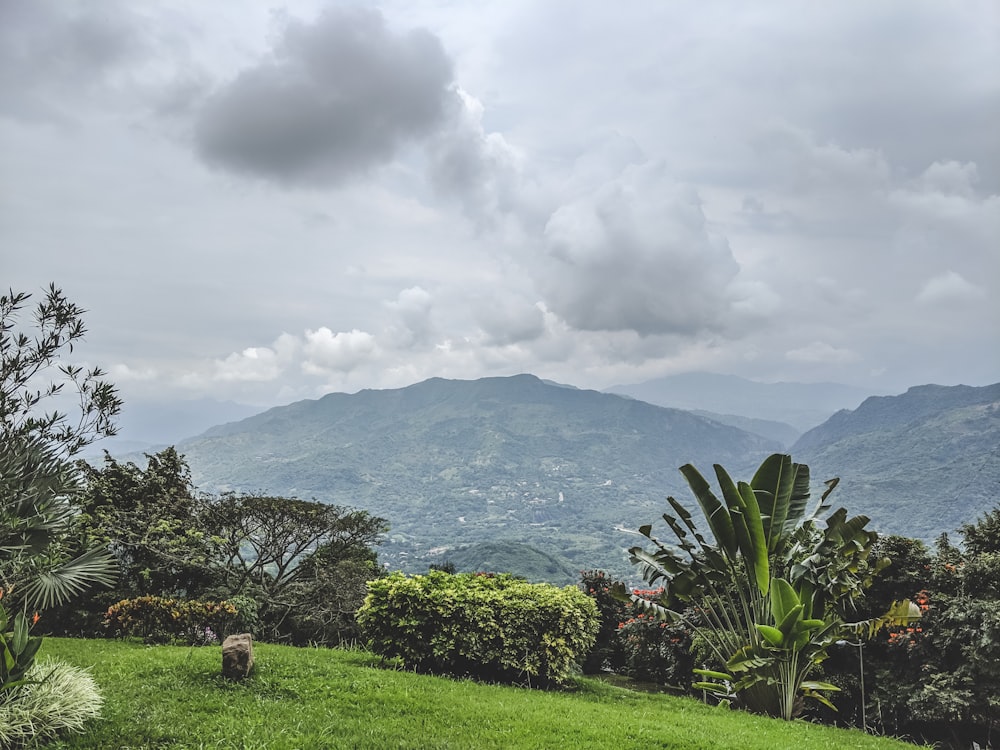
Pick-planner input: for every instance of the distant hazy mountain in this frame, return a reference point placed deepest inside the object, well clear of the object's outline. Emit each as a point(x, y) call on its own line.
point(149, 425)
point(452, 463)
point(780, 432)
point(919, 463)
point(802, 405)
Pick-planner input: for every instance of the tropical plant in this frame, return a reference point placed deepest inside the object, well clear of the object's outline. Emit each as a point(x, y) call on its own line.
point(17, 651)
point(36, 479)
point(771, 590)
point(56, 698)
point(36, 515)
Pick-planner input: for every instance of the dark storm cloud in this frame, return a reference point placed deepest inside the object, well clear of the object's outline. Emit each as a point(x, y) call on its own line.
point(337, 97)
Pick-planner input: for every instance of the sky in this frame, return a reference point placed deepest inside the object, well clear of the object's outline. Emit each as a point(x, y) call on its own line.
point(268, 202)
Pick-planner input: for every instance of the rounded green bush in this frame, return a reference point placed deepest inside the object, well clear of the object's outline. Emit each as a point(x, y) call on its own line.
point(494, 627)
point(58, 698)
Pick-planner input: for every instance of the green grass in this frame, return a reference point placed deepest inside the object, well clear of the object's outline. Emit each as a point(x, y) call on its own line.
point(174, 697)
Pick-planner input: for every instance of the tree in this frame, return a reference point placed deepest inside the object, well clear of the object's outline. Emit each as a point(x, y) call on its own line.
point(771, 591)
point(305, 562)
point(150, 520)
point(36, 479)
point(26, 362)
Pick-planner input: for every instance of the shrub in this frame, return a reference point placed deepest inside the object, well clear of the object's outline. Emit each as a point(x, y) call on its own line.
point(607, 652)
point(159, 620)
point(247, 618)
point(655, 650)
point(493, 627)
point(56, 698)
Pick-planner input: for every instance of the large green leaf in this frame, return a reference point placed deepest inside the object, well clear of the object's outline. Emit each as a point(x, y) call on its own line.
point(717, 515)
point(772, 635)
point(58, 585)
point(758, 545)
point(783, 599)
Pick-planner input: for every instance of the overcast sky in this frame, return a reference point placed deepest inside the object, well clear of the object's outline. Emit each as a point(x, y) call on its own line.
point(267, 203)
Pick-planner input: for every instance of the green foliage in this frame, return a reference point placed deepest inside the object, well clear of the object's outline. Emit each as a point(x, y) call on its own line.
point(984, 535)
point(772, 587)
point(304, 562)
point(36, 515)
point(655, 650)
point(939, 679)
point(28, 359)
point(607, 652)
point(57, 698)
point(150, 519)
point(159, 620)
point(247, 619)
point(493, 627)
point(17, 651)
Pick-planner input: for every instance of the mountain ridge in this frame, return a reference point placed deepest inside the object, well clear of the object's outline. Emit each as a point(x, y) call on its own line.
point(452, 462)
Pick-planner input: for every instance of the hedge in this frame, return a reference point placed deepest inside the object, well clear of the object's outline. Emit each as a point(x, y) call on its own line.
point(494, 627)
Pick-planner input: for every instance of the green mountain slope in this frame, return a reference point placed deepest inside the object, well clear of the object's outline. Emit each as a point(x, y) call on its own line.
point(919, 463)
point(452, 463)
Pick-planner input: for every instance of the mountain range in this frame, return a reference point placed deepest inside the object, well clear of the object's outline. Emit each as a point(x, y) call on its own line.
point(920, 463)
point(451, 463)
point(459, 467)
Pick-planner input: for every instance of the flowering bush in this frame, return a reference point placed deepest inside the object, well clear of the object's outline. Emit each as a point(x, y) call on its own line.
point(159, 620)
point(656, 651)
point(607, 653)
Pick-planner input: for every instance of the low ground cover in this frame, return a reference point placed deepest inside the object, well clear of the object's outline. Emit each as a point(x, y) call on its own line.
point(173, 697)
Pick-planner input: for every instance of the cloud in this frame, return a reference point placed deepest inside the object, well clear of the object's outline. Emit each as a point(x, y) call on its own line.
point(413, 312)
point(121, 373)
point(637, 254)
point(336, 98)
point(482, 169)
point(947, 288)
point(509, 320)
point(52, 54)
point(328, 352)
point(819, 352)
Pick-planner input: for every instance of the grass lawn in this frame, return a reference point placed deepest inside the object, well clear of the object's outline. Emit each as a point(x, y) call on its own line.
point(174, 697)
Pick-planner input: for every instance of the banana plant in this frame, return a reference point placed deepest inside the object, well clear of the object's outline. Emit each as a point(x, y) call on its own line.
point(769, 589)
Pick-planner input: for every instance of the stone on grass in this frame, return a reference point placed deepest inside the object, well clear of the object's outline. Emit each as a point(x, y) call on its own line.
point(237, 656)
